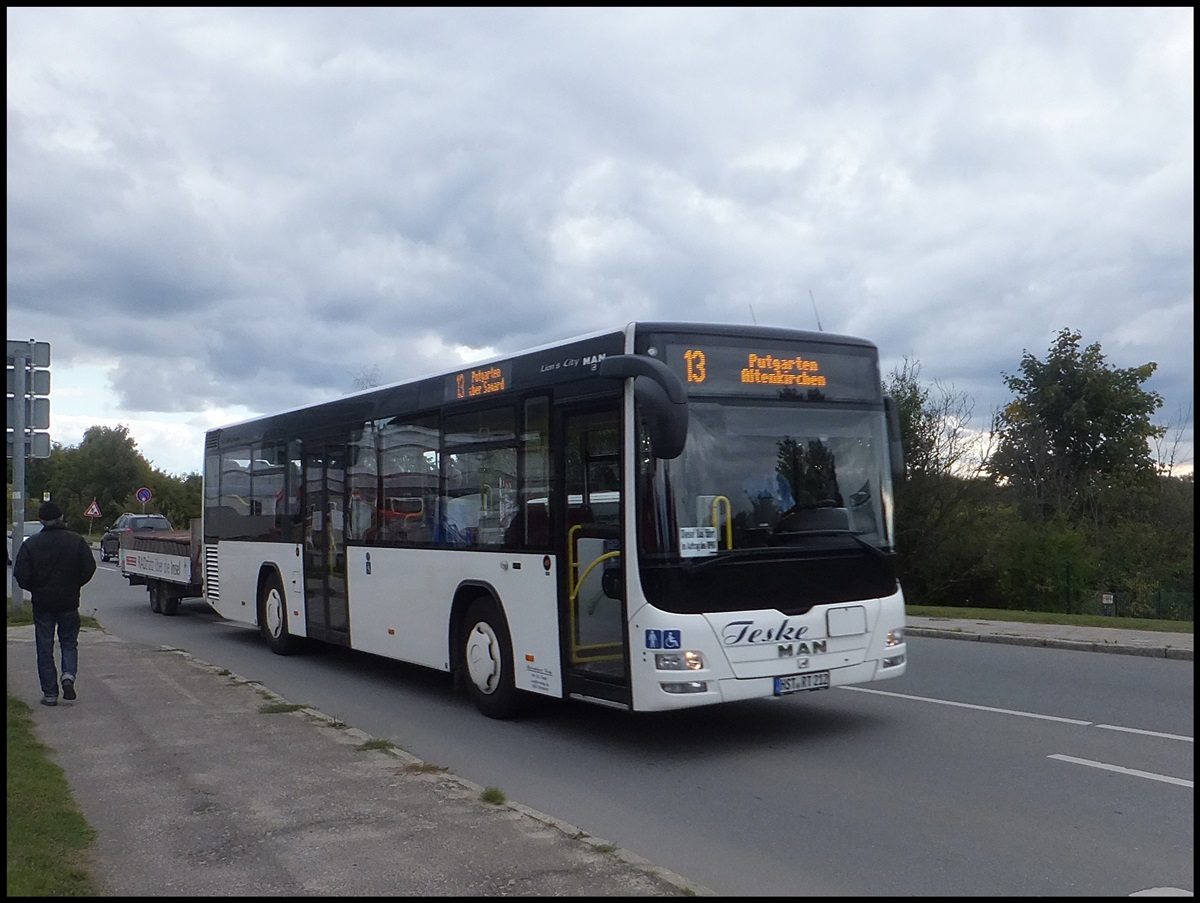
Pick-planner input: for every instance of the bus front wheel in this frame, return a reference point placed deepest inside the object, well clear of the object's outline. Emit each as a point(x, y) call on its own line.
point(272, 618)
point(488, 661)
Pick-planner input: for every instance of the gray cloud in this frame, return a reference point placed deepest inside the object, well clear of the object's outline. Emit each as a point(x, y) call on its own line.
point(259, 204)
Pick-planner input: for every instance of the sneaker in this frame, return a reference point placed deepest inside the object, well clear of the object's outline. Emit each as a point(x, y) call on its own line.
point(68, 689)
point(48, 699)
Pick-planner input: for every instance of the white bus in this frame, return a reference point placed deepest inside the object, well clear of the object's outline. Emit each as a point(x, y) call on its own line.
point(657, 517)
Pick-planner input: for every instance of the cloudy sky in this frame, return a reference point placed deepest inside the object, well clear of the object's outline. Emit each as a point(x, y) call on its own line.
point(215, 213)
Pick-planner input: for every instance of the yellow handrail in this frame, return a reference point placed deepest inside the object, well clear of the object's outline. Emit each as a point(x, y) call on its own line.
point(716, 522)
point(571, 551)
point(579, 651)
point(579, 584)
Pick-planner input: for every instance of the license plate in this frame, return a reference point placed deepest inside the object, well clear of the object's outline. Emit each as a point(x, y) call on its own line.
point(798, 683)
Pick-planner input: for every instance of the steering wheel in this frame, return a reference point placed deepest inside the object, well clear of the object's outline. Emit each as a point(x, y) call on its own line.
point(803, 506)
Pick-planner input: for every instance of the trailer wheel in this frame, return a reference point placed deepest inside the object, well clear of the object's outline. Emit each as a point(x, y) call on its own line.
point(168, 601)
point(488, 661)
point(273, 618)
point(155, 598)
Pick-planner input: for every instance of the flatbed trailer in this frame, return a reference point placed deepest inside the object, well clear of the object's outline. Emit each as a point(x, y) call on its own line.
point(167, 563)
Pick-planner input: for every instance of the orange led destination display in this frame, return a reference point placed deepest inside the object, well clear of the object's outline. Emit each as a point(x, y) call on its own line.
point(477, 382)
point(765, 369)
point(813, 373)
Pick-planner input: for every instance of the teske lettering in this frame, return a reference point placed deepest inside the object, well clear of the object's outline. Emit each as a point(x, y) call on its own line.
point(736, 632)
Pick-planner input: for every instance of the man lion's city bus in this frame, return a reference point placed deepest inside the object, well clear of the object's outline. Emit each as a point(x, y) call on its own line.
point(657, 517)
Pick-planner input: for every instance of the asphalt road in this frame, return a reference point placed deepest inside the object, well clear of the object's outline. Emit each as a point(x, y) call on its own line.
point(987, 769)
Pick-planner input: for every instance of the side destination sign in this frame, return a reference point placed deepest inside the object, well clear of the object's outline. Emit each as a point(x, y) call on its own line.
point(477, 382)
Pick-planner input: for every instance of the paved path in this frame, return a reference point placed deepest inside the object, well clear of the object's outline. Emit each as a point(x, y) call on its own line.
point(195, 790)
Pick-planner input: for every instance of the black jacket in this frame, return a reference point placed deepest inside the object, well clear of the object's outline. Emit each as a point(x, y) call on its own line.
point(53, 565)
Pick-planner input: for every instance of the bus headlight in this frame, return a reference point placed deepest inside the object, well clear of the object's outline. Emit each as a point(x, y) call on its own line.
point(895, 637)
point(684, 660)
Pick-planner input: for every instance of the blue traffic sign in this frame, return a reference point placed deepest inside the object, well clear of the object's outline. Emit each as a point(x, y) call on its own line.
point(143, 495)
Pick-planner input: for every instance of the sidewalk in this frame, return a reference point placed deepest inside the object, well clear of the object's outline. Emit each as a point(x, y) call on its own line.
point(194, 790)
point(1058, 636)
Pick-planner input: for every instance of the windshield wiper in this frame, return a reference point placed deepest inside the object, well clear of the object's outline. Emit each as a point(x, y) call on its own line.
point(870, 547)
point(725, 556)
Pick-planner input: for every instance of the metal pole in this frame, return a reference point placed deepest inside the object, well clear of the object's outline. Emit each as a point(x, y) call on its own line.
point(20, 392)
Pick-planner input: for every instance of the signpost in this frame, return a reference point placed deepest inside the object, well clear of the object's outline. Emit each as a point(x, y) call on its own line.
point(93, 512)
point(28, 417)
point(143, 496)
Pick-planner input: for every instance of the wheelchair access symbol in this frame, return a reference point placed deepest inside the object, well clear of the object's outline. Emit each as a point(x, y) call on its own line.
point(663, 639)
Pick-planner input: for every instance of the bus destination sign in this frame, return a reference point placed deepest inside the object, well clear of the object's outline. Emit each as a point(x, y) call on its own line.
point(477, 382)
point(762, 369)
point(813, 373)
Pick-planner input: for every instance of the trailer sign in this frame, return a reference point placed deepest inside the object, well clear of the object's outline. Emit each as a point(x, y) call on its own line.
point(175, 568)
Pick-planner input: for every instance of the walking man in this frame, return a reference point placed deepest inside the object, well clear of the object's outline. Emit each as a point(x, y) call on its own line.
point(54, 565)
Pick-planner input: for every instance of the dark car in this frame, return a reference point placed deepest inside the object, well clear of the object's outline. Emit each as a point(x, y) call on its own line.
point(110, 542)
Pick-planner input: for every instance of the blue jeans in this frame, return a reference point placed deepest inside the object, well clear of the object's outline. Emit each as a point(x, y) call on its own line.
point(44, 625)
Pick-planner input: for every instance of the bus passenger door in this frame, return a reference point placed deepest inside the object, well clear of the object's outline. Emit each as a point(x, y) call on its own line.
point(592, 562)
point(327, 612)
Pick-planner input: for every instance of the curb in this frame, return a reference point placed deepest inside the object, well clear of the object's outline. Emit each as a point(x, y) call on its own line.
point(1115, 647)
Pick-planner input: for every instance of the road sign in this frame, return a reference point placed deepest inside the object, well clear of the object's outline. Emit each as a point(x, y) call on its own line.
point(37, 413)
point(143, 495)
point(93, 510)
point(37, 382)
point(37, 445)
point(37, 353)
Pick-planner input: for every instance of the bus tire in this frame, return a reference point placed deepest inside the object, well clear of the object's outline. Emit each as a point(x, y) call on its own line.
point(273, 619)
point(487, 661)
point(155, 598)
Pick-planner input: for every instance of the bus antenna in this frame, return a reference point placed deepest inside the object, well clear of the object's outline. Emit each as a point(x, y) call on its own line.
point(753, 318)
point(815, 313)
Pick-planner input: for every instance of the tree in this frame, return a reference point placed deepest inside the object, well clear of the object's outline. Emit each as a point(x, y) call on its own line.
point(367, 378)
point(179, 498)
point(1075, 427)
point(945, 552)
point(106, 466)
point(935, 429)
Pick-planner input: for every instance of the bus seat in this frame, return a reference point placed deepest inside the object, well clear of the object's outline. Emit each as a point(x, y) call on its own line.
point(530, 528)
point(580, 514)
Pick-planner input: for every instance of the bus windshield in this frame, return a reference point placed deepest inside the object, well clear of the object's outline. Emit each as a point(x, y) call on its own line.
point(758, 474)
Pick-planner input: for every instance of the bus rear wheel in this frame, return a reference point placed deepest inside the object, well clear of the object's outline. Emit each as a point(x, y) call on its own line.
point(488, 661)
point(273, 619)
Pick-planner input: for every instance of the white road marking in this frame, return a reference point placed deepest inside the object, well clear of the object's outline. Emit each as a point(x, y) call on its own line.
point(988, 708)
point(968, 705)
point(1134, 730)
point(1133, 772)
